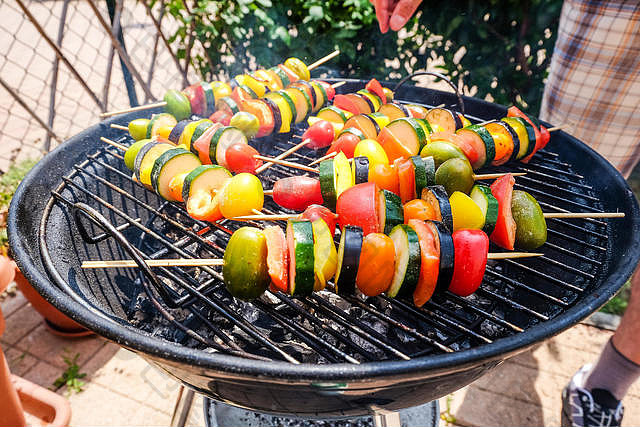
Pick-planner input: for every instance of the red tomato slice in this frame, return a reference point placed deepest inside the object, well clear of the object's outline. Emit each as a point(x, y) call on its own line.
point(221, 116)
point(504, 234)
point(344, 103)
point(429, 262)
point(471, 249)
point(346, 143)
point(359, 205)
point(314, 212)
point(195, 93)
point(417, 111)
point(321, 134)
point(375, 87)
point(297, 192)
point(277, 257)
point(240, 158)
point(406, 179)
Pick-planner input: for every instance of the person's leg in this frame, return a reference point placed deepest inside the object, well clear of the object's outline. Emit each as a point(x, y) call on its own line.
point(619, 364)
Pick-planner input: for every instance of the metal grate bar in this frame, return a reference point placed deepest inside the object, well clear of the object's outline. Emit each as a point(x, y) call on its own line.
point(557, 188)
point(574, 240)
point(554, 178)
point(559, 199)
point(518, 284)
point(492, 295)
point(544, 276)
point(572, 253)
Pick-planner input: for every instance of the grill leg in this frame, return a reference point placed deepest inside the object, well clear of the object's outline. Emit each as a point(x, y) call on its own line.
point(183, 407)
point(384, 418)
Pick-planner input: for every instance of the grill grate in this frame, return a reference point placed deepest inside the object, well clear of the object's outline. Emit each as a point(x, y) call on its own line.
point(192, 308)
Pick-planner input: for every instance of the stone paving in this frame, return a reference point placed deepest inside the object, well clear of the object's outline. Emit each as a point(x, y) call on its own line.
point(122, 389)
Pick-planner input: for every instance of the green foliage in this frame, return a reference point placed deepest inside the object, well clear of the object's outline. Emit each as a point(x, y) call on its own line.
point(8, 184)
point(72, 376)
point(618, 304)
point(499, 48)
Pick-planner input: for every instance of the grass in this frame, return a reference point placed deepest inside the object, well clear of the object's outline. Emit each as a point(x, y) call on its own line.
point(71, 377)
point(8, 184)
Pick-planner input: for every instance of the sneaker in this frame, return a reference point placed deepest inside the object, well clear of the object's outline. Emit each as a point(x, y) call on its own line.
point(579, 408)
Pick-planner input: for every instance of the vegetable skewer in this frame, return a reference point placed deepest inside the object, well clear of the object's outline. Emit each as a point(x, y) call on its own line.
point(299, 70)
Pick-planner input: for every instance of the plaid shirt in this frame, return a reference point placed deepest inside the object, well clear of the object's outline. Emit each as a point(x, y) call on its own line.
point(593, 87)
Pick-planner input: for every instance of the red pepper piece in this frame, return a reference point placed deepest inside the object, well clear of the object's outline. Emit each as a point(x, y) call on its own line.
point(314, 212)
point(504, 234)
point(346, 143)
point(514, 111)
point(195, 93)
point(344, 103)
point(375, 87)
point(359, 205)
point(471, 249)
point(297, 192)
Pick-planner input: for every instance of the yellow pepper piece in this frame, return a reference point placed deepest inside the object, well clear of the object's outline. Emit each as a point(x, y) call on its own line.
point(324, 254)
point(372, 150)
point(466, 213)
point(342, 176)
point(298, 67)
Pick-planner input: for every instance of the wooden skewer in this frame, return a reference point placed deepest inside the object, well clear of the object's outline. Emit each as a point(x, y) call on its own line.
point(268, 192)
point(115, 126)
point(283, 155)
point(265, 217)
point(179, 262)
point(285, 163)
point(555, 128)
point(132, 109)
point(583, 214)
point(496, 175)
point(113, 143)
point(509, 255)
point(327, 157)
point(337, 85)
point(324, 59)
point(209, 262)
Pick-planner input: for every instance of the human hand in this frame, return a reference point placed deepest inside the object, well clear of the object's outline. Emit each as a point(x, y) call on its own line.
point(394, 14)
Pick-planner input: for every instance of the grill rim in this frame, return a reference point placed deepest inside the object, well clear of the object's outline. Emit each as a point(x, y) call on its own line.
point(135, 340)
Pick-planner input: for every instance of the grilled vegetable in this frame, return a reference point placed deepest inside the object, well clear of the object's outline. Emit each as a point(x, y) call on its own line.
point(246, 122)
point(241, 195)
point(504, 233)
point(482, 141)
point(418, 209)
point(372, 150)
point(376, 266)
point(158, 121)
point(481, 195)
point(348, 259)
point(333, 114)
point(170, 165)
point(406, 179)
point(327, 184)
point(132, 152)
point(241, 158)
point(429, 262)
point(441, 151)
point(365, 124)
point(402, 138)
point(455, 175)
point(445, 247)
point(200, 189)
point(394, 111)
point(525, 133)
point(442, 119)
point(245, 269)
point(466, 213)
point(298, 67)
point(178, 104)
point(386, 177)
point(138, 128)
point(298, 192)
point(324, 254)
point(320, 134)
point(471, 248)
point(437, 197)
point(392, 214)
point(277, 257)
point(407, 268)
point(360, 206)
point(342, 176)
point(506, 141)
point(301, 101)
point(531, 227)
point(360, 169)
point(221, 140)
point(315, 212)
point(145, 159)
point(301, 257)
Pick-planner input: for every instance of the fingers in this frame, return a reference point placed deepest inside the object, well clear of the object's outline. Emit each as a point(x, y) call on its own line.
point(402, 13)
point(382, 13)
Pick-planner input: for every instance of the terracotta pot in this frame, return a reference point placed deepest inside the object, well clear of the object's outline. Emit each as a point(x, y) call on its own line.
point(56, 321)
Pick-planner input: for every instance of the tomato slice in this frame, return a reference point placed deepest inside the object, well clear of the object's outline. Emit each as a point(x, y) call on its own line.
point(195, 93)
point(429, 262)
point(375, 87)
point(314, 212)
point(264, 114)
point(406, 179)
point(297, 192)
point(346, 143)
point(359, 206)
point(240, 158)
point(419, 209)
point(222, 117)
point(504, 234)
point(471, 249)
point(321, 134)
point(376, 265)
point(514, 111)
point(386, 176)
point(203, 143)
point(277, 257)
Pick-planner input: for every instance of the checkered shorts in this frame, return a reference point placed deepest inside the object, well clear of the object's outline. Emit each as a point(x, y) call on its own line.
point(593, 87)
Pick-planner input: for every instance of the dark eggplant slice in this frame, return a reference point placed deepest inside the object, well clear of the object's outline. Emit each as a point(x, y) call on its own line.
point(447, 254)
point(175, 133)
point(277, 117)
point(360, 169)
point(348, 259)
point(437, 197)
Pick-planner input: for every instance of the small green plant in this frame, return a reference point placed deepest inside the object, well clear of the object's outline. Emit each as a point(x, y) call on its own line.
point(9, 182)
point(618, 304)
point(72, 376)
point(446, 415)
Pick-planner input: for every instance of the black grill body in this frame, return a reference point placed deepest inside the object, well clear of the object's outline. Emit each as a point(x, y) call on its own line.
point(420, 356)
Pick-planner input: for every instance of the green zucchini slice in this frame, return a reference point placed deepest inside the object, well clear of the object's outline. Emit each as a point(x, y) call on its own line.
point(488, 204)
point(393, 212)
point(208, 178)
point(327, 184)
point(170, 164)
point(407, 268)
point(301, 257)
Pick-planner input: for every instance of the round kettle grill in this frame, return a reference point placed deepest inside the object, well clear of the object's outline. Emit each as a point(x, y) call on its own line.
point(324, 355)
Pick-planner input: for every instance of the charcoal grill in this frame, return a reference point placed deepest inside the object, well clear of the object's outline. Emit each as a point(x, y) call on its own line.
point(323, 355)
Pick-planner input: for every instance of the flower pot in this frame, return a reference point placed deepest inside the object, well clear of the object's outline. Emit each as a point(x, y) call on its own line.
point(56, 321)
